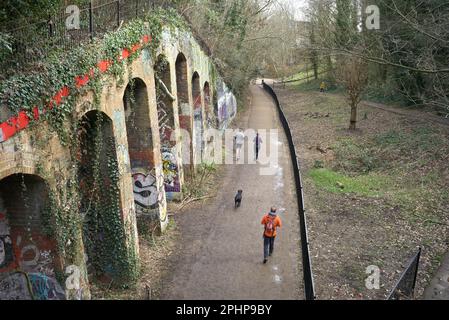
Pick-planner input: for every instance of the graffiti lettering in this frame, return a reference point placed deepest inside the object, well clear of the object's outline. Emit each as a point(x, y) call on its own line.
point(146, 194)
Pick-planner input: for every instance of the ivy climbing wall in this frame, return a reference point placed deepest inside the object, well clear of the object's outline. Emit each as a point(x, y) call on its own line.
point(86, 175)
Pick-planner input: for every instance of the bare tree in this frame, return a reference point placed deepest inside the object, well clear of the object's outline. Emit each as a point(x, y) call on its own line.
point(353, 75)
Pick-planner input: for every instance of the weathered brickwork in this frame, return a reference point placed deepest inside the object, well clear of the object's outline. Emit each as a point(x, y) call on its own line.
point(145, 132)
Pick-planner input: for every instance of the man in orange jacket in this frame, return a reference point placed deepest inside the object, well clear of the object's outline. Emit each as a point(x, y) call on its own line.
point(271, 221)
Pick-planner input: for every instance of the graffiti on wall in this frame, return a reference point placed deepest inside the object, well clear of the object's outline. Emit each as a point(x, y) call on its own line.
point(32, 254)
point(15, 286)
point(146, 195)
point(6, 253)
point(45, 288)
point(165, 127)
point(198, 123)
point(6, 247)
point(227, 104)
point(30, 286)
point(170, 170)
point(210, 119)
point(168, 141)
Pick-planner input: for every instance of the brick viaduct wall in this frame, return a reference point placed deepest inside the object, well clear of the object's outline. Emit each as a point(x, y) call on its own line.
point(147, 166)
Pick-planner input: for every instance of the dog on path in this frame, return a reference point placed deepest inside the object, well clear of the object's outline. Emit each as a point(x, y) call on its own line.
point(238, 198)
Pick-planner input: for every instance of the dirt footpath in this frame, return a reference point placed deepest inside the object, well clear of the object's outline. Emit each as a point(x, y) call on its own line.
point(220, 252)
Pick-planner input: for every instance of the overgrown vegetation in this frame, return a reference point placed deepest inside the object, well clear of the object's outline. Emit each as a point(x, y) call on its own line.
point(89, 185)
point(373, 195)
point(197, 185)
point(405, 53)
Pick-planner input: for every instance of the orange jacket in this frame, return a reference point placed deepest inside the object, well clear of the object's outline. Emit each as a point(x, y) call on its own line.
point(277, 224)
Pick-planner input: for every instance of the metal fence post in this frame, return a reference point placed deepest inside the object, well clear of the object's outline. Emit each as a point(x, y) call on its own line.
point(50, 27)
point(416, 271)
point(405, 286)
point(118, 13)
point(91, 21)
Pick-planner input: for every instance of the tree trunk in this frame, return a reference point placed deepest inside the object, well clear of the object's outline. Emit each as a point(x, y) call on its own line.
point(315, 65)
point(352, 125)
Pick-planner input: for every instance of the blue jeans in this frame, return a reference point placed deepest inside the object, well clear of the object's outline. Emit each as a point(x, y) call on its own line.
point(268, 246)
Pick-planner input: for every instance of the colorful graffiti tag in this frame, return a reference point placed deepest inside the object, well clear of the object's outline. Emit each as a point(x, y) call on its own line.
point(168, 149)
point(30, 286)
point(45, 288)
point(26, 263)
point(170, 170)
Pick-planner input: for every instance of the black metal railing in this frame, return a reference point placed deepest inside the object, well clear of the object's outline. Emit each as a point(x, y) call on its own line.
point(309, 287)
point(33, 42)
point(405, 287)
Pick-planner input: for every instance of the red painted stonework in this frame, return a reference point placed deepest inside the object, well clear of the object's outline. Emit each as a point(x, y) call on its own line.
point(10, 127)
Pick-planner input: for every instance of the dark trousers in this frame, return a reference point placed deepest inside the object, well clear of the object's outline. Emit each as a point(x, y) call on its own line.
point(257, 153)
point(268, 246)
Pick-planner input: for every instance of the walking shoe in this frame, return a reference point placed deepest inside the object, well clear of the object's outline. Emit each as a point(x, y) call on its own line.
point(265, 261)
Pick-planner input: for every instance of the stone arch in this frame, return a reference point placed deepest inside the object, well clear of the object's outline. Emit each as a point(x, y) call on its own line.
point(167, 127)
point(100, 204)
point(26, 243)
point(148, 187)
point(210, 123)
point(184, 109)
point(198, 116)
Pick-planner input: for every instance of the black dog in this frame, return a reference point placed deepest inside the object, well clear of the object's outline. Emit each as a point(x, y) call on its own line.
point(238, 198)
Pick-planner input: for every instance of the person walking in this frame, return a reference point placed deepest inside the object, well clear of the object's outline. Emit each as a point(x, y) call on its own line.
point(322, 86)
point(257, 144)
point(239, 139)
point(271, 222)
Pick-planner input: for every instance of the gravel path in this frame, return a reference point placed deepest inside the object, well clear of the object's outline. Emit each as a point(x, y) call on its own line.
point(220, 253)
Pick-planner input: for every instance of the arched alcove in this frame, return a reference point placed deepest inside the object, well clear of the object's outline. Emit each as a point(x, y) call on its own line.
point(148, 195)
point(98, 173)
point(197, 117)
point(26, 241)
point(165, 98)
point(184, 109)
